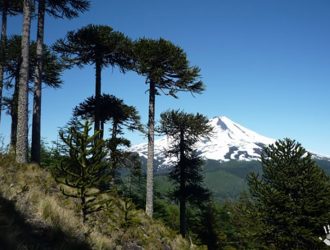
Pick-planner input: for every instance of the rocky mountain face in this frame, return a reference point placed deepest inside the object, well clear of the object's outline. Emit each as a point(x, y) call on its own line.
point(230, 141)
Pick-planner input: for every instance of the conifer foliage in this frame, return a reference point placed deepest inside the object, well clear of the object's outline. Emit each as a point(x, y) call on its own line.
point(119, 114)
point(84, 168)
point(112, 109)
point(51, 75)
point(184, 130)
point(12, 8)
point(99, 45)
point(291, 198)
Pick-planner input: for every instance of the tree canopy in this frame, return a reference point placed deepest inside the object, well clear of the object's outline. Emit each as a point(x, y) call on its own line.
point(11, 7)
point(291, 198)
point(166, 65)
point(53, 67)
point(111, 109)
point(96, 44)
point(66, 8)
point(99, 45)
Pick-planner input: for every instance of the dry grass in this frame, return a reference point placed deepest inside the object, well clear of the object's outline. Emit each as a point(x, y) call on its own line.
point(36, 197)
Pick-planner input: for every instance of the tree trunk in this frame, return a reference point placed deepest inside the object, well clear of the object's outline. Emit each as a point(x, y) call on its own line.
point(183, 223)
point(13, 114)
point(183, 228)
point(102, 129)
point(98, 69)
point(83, 205)
point(36, 119)
point(150, 161)
point(22, 126)
point(13, 132)
point(3, 46)
point(113, 145)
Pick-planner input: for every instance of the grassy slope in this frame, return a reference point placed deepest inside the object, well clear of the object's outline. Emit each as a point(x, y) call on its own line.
point(35, 215)
point(17, 232)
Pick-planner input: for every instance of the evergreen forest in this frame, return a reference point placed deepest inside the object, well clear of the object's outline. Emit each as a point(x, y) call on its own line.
point(87, 190)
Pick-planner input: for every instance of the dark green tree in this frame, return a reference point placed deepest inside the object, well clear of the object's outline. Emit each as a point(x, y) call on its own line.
point(291, 197)
point(11, 8)
point(133, 180)
point(59, 9)
point(185, 130)
point(84, 168)
point(97, 45)
point(206, 224)
point(112, 109)
point(120, 115)
point(52, 70)
point(167, 70)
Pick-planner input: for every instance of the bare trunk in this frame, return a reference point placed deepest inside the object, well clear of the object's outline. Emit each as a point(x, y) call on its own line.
point(36, 119)
point(13, 114)
point(98, 70)
point(22, 126)
point(3, 46)
point(150, 161)
point(113, 145)
point(13, 132)
point(83, 205)
point(183, 229)
point(102, 129)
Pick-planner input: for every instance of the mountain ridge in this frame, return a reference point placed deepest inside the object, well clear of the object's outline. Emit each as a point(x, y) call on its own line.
point(229, 141)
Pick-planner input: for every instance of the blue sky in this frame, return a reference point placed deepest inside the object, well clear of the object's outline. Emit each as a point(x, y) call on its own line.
point(265, 63)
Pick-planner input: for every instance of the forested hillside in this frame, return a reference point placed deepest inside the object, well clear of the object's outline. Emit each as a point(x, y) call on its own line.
point(82, 80)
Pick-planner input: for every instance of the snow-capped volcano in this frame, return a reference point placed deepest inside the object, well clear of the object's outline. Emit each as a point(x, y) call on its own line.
point(230, 141)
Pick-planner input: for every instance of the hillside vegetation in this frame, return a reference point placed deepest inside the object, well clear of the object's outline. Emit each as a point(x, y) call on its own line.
point(227, 180)
point(35, 215)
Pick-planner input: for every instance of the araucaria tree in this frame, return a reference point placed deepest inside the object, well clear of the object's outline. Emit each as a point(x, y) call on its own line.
point(291, 198)
point(184, 131)
point(50, 76)
point(84, 168)
point(11, 8)
point(119, 114)
point(167, 70)
point(59, 9)
point(97, 45)
point(22, 127)
point(112, 109)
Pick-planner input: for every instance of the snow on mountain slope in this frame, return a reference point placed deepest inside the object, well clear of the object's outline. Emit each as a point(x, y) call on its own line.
point(230, 141)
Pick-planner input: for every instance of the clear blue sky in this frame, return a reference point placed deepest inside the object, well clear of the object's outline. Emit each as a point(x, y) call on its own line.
point(265, 63)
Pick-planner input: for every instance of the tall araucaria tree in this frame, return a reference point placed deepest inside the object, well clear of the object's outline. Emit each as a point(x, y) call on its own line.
point(22, 126)
point(11, 8)
point(58, 9)
point(184, 131)
point(97, 45)
point(51, 76)
point(167, 70)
